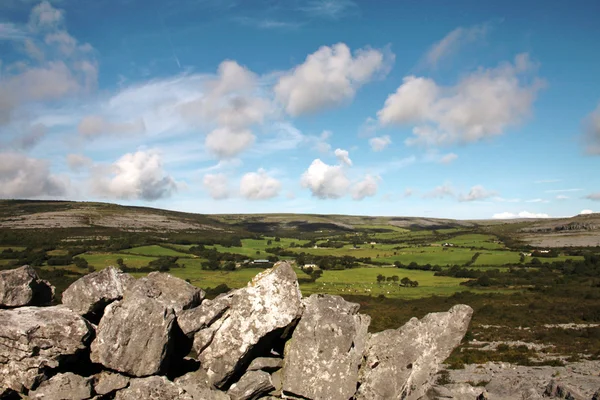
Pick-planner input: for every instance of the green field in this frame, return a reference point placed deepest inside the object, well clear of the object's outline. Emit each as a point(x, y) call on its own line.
point(155, 251)
point(14, 248)
point(102, 260)
point(475, 240)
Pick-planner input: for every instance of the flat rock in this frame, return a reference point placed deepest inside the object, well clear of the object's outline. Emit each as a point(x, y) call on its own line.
point(153, 387)
point(34, 340)
point(64, 386)
point(168, 290)
point(192, 320)
point(23, 287)
point(134, 337)
point(107, 382)
point(400, 363)
point(323, 356)
point(93, 292)
point(270, 302)
point(196, 384)
point(559, 390)
point(251, 386)
point(455, 391)
point(268, 364)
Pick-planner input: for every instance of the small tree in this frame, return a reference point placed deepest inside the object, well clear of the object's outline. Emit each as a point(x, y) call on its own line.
point(395, 278)
point(277, 239)
point(405, 281)
point(229, 266)
point(414, 283)
point(120, 263)
point(80, 262)
point(380, 278)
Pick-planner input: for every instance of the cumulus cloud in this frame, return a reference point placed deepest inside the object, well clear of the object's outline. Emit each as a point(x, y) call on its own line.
point(30, 137)
point(77, 162)
point(343, 157)
point(329, 77)
point(522, 214)
point(319, 143)
point(585, 212)
point(217, 186)
point(453, 41)
point(226, 142)
point(591, 135)
point(138, 175)
point(593, 196)
point(481, 105)
point(325, 181)
point(365, 188)
point(380, 142)
point(445, 190)
point(259, 186)
point(25, 177)
point(93, 126)
point(477, 192)
point(448, 158)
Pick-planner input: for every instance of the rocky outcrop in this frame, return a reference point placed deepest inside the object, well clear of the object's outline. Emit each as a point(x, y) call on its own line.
point(269, 364)
point(323, 356)
point(64, 386)
point(196, 384)
point(270, 302)
point(134, 337)
point(195, 319)
point(109, 382)
point(93, 292)
point(400, 363)
point(23, 287)
point(172, 292)
point(153, 387)
point(251, 386)
point(35, 340)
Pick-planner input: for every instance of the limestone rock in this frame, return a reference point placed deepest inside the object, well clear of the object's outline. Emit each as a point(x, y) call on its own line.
point(107, 382)
point(134, 337)
point(23, 287)
point(34, 340)
point(269, 303)
point(455, 391)
point(531, 394)
point(196, 384)
point(268, 364)
point(192, 320)
point(95, 291)
point(323, 356)
point(153, 387)
point(251, 385)
point(64, 386)
point(559, 390)
point(172, 292)
point(400, 363)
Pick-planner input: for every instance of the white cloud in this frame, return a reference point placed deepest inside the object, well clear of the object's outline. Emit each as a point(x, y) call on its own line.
point(536, 201)
point(562, 197)
point(319, 143)
point(522, 214)
point(563, 190)
point(93, 126)
point(593, 196)
point(591, 135)
point(448, 158)
point(483, 104)
point(445, 190)
point(138, 175)
point(259, 186)
point(380, 142)
point(477, 192)
point(217, 185)
point(343, 157)
point(325, 181)
point(365, 188)
point(331, 9)
point(585, 212)
point(10, 31)
point(25, 177)
point(30, 137)
point(328, 78)
point(44, 16)
point(226, 142)
point(77, 161)
point(453, 41)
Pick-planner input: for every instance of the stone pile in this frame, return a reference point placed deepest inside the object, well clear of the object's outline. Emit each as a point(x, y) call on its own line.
point(115, 337)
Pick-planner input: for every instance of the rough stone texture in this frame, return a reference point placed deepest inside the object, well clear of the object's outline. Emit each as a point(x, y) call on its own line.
point(268, 364)
point(107, 382)
point(95, 291)
point(153, 387)
point(531, 394)
point(134, 336)
point(23, 287)
point(251, 385)
point(400, 363)
point(559, 390)
point(64, 386)
point(172, 292)
point(192, 320)
point(33, 340)
point(323, 356)
point(271, 301)
point(455, 391)
point(196, 384)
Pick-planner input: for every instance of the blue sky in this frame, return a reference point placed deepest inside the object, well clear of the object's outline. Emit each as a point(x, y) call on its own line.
point(462, 109)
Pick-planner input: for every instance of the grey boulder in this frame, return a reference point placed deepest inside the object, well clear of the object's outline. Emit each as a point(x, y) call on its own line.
point(192, 320)
point(251, 386)
point(108, 382)
point(153, 387)
point(323, 356)
point(268, 364)
point(196, 384)
point(134, 337)
point(64, 386)
point(95, 291)
point(400, 363)
point(270, 302)
point(168, 290)
point(23, 287)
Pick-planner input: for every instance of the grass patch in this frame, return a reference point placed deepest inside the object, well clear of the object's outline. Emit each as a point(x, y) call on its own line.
point(155, 251)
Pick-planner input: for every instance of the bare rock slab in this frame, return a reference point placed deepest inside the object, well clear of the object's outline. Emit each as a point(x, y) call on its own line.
point(33, 340)
point(172, 292)
point(323, 356)
point(134, 337)
point(192, 320)
point(108, 382)
point(153, 387)
point(400, 363)
point(251, 386)
point(23, 287)
point(271, 301)
point(95, 291)
point(196, 384)
point(64, 386)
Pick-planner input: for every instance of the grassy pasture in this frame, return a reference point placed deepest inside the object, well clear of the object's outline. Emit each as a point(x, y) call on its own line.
point(155, 251)
point(475, 240)
point(103, 260)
